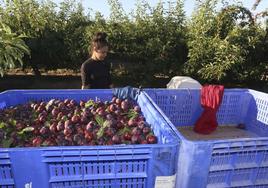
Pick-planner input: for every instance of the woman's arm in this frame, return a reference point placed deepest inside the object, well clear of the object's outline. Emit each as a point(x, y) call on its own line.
point(85, 76)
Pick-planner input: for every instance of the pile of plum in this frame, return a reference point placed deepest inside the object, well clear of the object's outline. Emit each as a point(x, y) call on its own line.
point(71, 123)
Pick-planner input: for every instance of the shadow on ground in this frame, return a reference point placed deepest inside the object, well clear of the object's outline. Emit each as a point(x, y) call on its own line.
point(9, 82)
point(43, 82)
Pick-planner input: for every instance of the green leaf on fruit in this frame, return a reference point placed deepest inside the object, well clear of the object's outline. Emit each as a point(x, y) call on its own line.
point(89, 103)
point(2, 125)
point(26, 129)
point(44, 144)
point(49, 116)
point(107, 123)
point(100, 121)
point(34, 115)
point(64, 118)
point(47, 124)
point(104, 124)
point(7, 143)
point(124, 130)
point(13, 122)
point(132, 114)
point(100, 132)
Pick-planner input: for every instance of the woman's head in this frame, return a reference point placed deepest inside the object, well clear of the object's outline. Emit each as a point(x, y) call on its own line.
point(99, 46)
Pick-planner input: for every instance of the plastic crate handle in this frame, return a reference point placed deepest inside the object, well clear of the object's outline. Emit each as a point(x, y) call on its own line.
point(127, 92)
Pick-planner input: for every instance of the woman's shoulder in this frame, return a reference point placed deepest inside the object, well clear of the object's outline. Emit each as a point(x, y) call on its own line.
point(91, 62)
point(88, 62)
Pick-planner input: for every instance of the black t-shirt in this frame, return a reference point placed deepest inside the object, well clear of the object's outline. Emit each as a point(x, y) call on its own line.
point(96, 74)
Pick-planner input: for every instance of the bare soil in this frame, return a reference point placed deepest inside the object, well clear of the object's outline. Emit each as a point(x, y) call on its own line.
point(222, 132)
point(61, 79)
point(44, 82)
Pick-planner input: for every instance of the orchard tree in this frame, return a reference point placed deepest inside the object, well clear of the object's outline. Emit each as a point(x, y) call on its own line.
point(73, 29)
point(150, 41)
point(12, 49)
point(221, 44)
point(56, 34)
point(35, 20)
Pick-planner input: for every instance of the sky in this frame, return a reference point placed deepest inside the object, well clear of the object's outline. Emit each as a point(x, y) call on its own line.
point(128, 5)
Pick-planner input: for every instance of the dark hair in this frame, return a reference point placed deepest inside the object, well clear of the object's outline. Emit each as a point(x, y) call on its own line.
point(98, 41)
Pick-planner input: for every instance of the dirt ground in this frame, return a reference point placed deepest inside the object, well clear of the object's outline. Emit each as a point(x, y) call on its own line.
point(59, 79)
point(43, 82)
point(65, 79)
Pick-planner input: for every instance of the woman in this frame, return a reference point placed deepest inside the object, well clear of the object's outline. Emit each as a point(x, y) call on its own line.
point(95, 72)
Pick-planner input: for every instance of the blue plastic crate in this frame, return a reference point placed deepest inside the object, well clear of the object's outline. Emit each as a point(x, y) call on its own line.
point(6, 176)
point(240, 162)
point(115, 166)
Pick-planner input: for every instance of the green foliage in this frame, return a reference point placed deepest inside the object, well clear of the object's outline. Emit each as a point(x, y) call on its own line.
point(149, 42)
point(221, 44)
point(12, 49)
point(226, 46)
point(27, 16)
point(56, 37)
point(74, 32)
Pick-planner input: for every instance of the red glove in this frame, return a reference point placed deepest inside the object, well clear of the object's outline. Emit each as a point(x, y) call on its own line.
point(211, 97)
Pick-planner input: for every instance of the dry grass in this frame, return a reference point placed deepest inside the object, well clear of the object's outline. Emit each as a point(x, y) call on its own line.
point(56, 72)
